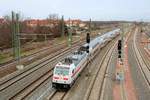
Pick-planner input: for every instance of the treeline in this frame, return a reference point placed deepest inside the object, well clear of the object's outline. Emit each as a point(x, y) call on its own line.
point(53, 27)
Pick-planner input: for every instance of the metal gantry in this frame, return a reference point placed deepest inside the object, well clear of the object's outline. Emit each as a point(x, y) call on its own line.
point(15, 36)
point(69, 35)
point(62, 26)
point(90, 26)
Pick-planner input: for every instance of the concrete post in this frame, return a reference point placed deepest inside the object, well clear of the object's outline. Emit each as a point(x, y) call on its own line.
point(62, 26)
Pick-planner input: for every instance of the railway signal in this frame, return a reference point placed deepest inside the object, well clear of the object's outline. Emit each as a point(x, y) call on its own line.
point(16, 34)
point(88, 37)
point(16, 39)
point(119, 44)
point(62, 26)
point(88, 41)
point(68, 31)
point(119, 48)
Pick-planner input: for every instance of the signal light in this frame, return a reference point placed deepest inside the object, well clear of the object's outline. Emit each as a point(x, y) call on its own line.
point(119, 44)
point(88, 38)
point(119, 56)
point(119, 51)
point(87, 49)
point(119, 48)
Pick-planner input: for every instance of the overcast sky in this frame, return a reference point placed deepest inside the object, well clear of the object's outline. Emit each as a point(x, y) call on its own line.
point(82, 9)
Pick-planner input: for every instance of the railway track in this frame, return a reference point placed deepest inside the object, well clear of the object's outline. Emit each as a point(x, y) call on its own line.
point(56, 95)
point(24, 83)
point(95, 87)
point(140, 84)
point(143, 64)
point(143, 51)
point(30, 55)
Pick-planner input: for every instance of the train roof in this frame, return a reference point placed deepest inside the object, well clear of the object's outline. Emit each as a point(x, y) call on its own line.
point(73, 58)
point(100, 38)
point(76, 56)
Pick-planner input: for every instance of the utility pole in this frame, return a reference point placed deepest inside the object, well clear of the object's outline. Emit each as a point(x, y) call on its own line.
point(16, 39)
point(88, 36)
point(70, 35)
point(13, 33)
point(122, 54)
point(88, 47)
point(90, 26)
point(62, 26)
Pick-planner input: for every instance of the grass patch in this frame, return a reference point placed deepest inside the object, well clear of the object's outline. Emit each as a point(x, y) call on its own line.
point(4, 58)
point(1, 58)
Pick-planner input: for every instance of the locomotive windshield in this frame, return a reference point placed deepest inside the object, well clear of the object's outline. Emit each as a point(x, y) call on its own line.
point(62, 71)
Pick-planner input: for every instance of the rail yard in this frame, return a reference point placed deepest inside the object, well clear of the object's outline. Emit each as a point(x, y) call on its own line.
point(74, 50)
point(96, 80)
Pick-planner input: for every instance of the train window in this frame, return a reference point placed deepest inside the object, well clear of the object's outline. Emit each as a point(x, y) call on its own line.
point(62, 71)
point(68, 60)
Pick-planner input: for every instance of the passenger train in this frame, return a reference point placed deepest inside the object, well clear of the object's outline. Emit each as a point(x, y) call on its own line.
point(66, 71)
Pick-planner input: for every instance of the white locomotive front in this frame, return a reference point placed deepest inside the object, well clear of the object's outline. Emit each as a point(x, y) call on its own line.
point(61, 75)
point(66, 71)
